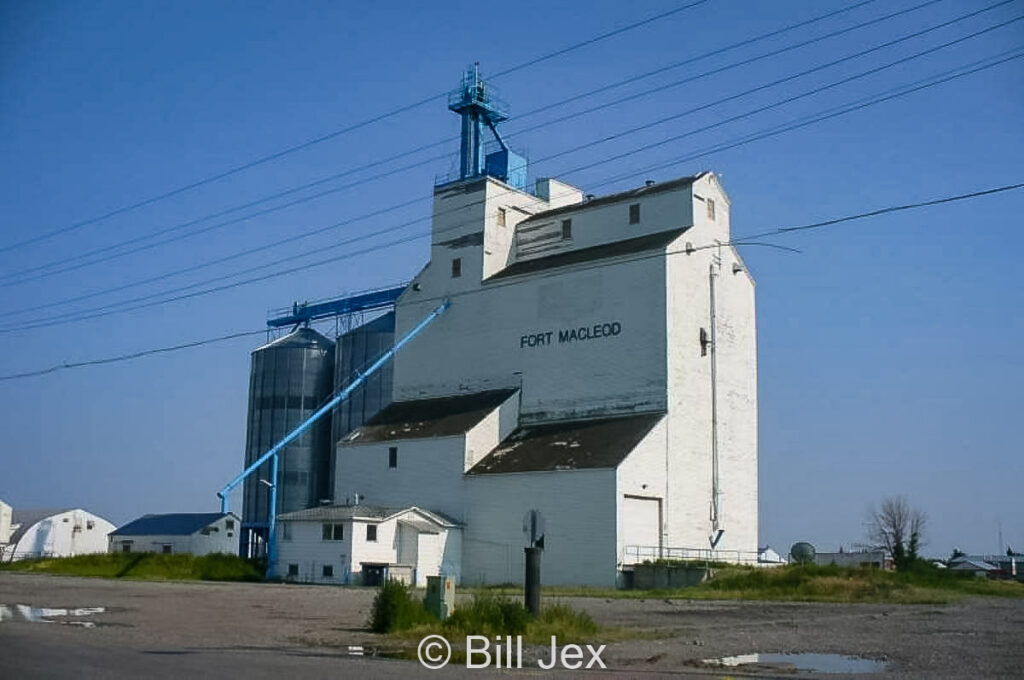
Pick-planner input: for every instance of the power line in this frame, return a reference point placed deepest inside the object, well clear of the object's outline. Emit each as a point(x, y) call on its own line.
point(337, 133)
point(630, 80)
point(118, 307)
point(126, 357)
point(885, 211)
point(314, 232)
point(556, 155)
point(741, 241)
point(114, 308)
point(835, 112)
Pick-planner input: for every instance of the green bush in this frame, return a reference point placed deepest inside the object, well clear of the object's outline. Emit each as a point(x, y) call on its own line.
point(395, 610)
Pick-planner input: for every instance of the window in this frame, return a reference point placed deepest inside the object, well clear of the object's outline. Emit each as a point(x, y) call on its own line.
point(293, 570)
point(456, 267)
point(392, 457)
point(166, 549)
point(711, 209)
point(328, 571)
point(371, 533)
point(566, 229)
point(332, 532)
point(634, 213)
point(89, 524)
point(126, 546)
point(501, 217)
point(229, 525)
point(286, 531)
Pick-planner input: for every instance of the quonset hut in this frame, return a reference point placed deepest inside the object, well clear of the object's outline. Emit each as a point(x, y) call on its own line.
point(598, 363)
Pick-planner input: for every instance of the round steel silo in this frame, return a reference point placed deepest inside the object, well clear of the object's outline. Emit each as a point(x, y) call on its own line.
point(289, 379)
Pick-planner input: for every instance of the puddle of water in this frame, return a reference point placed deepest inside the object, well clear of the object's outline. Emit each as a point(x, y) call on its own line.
point(817, 663)
point(23, 612)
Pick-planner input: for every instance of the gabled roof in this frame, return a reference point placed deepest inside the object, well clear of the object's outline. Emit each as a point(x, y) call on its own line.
point(574, 445)
point(177, 524)
point(421, 418)
point(631, 246)
point(377, 513)
point(639, 192)
point(973, 565)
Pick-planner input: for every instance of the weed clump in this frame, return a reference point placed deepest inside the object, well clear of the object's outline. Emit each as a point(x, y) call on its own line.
point(489, 615)
point(395, 610)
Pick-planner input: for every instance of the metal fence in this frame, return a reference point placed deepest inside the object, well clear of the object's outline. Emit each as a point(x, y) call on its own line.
point(636, 554)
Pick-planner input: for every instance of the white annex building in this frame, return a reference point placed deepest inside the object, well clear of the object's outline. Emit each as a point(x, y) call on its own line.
point(598, 363)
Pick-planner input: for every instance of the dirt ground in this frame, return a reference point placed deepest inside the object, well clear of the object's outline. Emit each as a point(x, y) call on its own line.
point(231, 622)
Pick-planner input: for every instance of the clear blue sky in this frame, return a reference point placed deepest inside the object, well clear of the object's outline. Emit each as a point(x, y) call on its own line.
point(889, 349)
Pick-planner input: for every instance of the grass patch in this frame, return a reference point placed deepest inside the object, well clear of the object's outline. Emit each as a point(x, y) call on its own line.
point(923, 584)
point(144, 566)
point(398, 612)
point(920, 584)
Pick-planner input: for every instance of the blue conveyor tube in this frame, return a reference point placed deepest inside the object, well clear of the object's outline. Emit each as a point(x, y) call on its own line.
point(276, 449)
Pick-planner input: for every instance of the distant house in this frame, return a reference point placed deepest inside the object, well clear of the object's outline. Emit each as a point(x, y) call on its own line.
point(859, 558)
point(51, 533)
point(197, 533)
point(1006, 565)
point(366, 545)
point(974, 566)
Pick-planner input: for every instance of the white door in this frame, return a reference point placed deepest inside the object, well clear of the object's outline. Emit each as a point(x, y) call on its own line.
point(641, 528)
point(408, 545)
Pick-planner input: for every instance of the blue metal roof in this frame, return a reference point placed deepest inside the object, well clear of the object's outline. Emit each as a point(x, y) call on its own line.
point(178, 524)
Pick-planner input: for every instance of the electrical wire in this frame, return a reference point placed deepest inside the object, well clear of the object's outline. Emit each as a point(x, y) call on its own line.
point(113, 309)
point(588, 145)
point(689, 249)
point(21, 278)
point(337, 133)
point(117, 307)
point(127, 357)
point(741, 241)
point(314, 232)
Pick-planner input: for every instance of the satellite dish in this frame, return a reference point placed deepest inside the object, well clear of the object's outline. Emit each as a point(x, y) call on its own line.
point(533, 529)
point(802, 552)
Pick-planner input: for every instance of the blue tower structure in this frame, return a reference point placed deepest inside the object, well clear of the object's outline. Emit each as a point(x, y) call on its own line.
point(478, 107)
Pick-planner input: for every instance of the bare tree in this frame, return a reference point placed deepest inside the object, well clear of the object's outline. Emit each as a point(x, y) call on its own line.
point(898, 529)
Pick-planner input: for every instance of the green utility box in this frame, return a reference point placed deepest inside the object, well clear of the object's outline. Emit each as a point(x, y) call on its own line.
point(440, 599)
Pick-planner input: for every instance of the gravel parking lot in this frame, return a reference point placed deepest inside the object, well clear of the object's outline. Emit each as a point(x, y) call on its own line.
point(196, 629)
